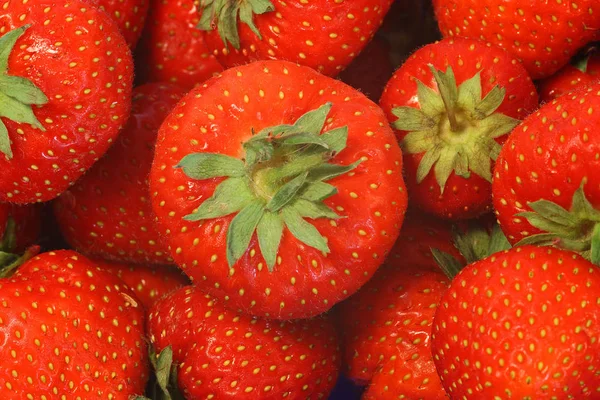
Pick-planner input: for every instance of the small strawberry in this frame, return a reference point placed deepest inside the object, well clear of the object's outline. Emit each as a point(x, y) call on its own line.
point(583, 72)
point(107, 213)
point(453, 103)
point(325, 35)
point(172, 49)
point(69, 331)
point(370, 71)
point(523, 324)
point(19, 227)
point(150, 283)
point(545, 189)
point(303, 160)
point(227, 355)
point(543, 34)
point(65, 84)
point(130, 16)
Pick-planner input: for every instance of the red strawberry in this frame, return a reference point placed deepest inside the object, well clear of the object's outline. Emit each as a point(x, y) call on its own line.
point(108, 212)
point(370, 71)
point(149, 283)
point(387, 324)
point(172, 49)
point(69, 330)
point(19, 227)
point(582, 73)
point(70, 75)
point(227, 355)
point(543, 34)
point(545, 188)
point(523, 324)
point(320, 182)
point(130, 16)
point(325, 35)
point(451, 135)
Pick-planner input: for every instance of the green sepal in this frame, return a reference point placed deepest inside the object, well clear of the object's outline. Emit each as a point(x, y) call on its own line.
point(303, 231)
point(412, 119)
point(449, 265)
point(318, 191)
point(241, 229)
point(336, 139)
point(225, 13)
point(229, 197)
point(165, 385)
point(286, 193)
point(576, 229)
point(269, 232)
point(313, 210)
point(329, 171)
point(17, 94)
point(211, 165)
point(258, 151)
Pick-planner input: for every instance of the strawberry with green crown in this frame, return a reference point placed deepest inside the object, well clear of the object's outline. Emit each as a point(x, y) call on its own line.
point(452, 104)
point(279, 190)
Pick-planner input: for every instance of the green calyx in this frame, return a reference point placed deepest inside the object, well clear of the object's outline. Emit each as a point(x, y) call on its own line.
point(475, 244)
point(17, 94)
point(165, 385)
point(455, 128)
point(224, 14)
point(9, 259)
point(281, 183)
point(577, 229)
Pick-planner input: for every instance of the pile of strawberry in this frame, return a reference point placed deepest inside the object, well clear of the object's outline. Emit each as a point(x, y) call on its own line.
point(264, 198)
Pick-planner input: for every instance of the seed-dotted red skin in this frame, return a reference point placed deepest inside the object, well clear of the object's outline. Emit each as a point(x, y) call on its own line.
point(150, 283)
point(75, 54)
point(371, 70)
point(233, 356)
point(172, 49)
point(524, 322)
point(544, 35)
point(325, 35)
point(570, 79)
point(130, 16)
point(28, 223)
point(547, 157)
point(108, 212)
point(222, 114)
point(463, 198)
point(70, 330)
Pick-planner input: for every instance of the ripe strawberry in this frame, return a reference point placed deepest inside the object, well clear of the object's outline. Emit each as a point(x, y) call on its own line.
point(69, 330)
point(227, 355)
point(387, 324)
point(172, 49)
point(543, 34)
point(130, 16)
point(582, 73)
point(150, 283)
point(65, 84)
point(107, 213)
point(545, 188)
point(523, 324)
point(370, 71)
point(451, 124)
point(325, 35)
point(336, 165)
point(19, 227)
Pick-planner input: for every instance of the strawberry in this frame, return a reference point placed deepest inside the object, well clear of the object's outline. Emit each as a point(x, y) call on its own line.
point(581, 73)
point(107, 213)
point(150, 283)
point(387, 324)
point(453, 104)
point(222, 354)
point(545, 190)
point(309, 163)
point(65, 83)
point(544, 35)
point(370, 71)
point(19, 227)
point(325, 35)
point(69, 330)
point(172, 49)
point(130, 16)
point(522, 324)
